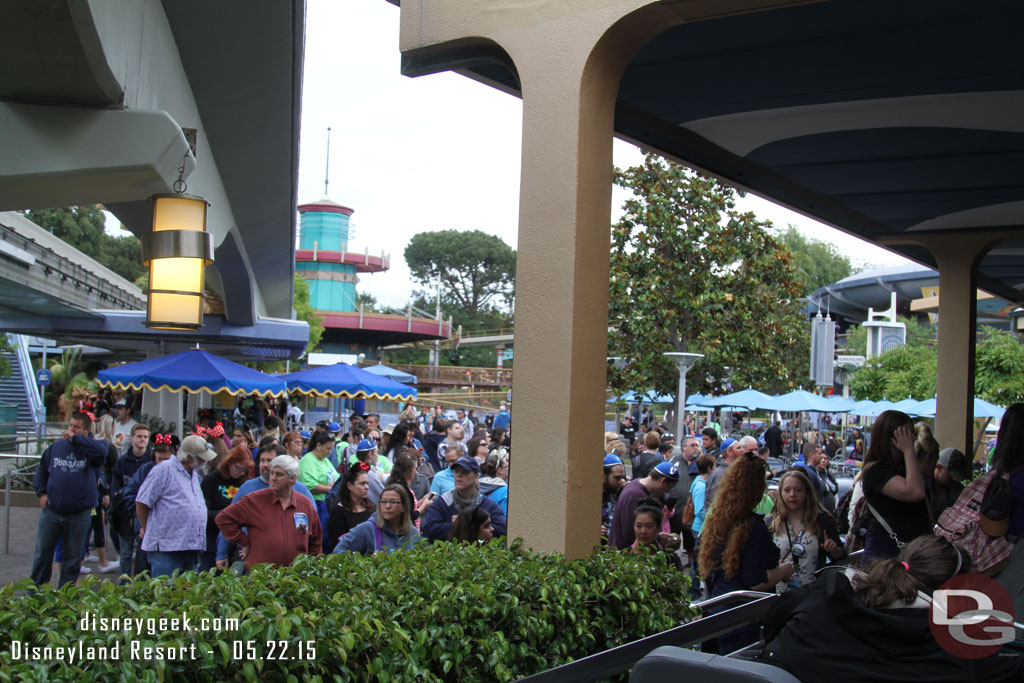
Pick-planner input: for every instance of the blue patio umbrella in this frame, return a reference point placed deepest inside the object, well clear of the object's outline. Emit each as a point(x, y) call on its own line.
point(982, 409)
point(342, 380)
point(870, 408)
point(193, 371)
point(647, 397)
point(906, 405)
point(391, 373)
point(748, 399)
point(800, 400)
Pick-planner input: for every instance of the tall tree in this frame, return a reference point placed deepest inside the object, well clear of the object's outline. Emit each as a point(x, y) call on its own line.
point(477, 270)
point(817, 263)
point(83, 227)
point(689, 272)
point(304, 311)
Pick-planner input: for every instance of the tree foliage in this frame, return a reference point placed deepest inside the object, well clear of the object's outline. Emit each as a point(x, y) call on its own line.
point(910, 370)
point(304, 311)
point(817, 263)
point(689, 272)
point(83, 228)
point(999, 367)
point(477, 270)
point(904, 372)
point(917, 335)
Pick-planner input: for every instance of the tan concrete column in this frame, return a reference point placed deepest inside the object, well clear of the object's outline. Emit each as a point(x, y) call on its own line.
point(569, 56)
point(957, 257)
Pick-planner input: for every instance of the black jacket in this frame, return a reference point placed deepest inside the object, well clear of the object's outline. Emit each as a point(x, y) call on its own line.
point(826, 633)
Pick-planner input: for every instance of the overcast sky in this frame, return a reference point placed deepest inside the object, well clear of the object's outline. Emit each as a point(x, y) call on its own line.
point(430, 153)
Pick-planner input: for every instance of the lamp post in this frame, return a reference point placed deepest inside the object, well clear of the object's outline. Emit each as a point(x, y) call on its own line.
point(618, 364)
point(683, 363)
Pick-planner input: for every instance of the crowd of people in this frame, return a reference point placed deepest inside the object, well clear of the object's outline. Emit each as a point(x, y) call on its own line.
point(216, 500)
point(220, 498)
point(712, 494)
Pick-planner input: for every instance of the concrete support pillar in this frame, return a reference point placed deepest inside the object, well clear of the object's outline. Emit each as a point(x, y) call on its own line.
point(957, 257)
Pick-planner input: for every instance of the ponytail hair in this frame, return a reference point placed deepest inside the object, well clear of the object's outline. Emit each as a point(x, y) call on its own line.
point(925, 564)
point(651, 506)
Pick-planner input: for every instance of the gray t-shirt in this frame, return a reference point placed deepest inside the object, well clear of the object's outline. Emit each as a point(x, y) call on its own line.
point(714, 479)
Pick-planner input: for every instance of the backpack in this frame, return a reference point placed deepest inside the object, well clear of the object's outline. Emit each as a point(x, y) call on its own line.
point(120, 514)
point(960, 524)
point(858, 531)
point(843, 512)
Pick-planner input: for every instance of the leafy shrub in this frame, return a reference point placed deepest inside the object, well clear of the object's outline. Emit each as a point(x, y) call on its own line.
point(435, 613)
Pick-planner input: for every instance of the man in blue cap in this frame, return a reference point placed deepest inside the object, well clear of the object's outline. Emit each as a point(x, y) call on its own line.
point(441, 515)
point(614, 480)
point(730, 451)
point(657, 483)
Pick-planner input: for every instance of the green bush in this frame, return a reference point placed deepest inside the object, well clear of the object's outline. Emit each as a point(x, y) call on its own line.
point(437, 613)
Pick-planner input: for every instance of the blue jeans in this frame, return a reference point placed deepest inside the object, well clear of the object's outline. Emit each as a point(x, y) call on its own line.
point(72, 527)
point(129, 546)
point(165, 563)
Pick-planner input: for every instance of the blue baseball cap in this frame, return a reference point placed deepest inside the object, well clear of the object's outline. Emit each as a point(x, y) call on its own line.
point(667, 469)
point(727, 443)
point(306, 434)
point(610, 460)
point(467, 463)
point(333, 427)
point(366, 445)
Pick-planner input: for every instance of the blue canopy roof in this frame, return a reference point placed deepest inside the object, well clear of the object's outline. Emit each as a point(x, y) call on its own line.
point(194, 371)
point(342, 380)
point(391, 373)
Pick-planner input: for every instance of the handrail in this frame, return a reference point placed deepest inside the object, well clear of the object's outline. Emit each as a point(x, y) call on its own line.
point(622, 658)
point(28, 378)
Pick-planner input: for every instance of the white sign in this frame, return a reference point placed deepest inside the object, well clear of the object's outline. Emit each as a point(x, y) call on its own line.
point(850, 360)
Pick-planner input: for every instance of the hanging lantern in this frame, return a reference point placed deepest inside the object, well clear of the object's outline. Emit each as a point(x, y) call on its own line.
point(177, 253)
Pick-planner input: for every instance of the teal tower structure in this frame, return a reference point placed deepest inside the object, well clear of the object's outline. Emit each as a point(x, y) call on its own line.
point(324, 260)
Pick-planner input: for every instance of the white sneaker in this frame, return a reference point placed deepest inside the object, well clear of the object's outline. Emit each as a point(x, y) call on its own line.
point(84, 570)
point(91, 558)
point(108, 567)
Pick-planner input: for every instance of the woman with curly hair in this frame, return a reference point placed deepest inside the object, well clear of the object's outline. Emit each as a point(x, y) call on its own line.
point(802, 530)
point(736, 551)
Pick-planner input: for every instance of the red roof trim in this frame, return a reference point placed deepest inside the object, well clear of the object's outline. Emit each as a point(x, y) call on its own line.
point(384, 323)
point(376, 264)
point(328, 208)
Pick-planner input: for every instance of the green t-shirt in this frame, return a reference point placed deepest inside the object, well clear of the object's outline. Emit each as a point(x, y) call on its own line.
point(313, 472)
point(383, 464)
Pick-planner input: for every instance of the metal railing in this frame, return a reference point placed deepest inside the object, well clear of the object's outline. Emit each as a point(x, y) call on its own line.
point(454, 374)
point(752, 607)
point(28, 378)
point(9, 474)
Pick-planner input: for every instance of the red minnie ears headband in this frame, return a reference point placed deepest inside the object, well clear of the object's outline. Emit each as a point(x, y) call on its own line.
point(216, 430)
point(163, 439)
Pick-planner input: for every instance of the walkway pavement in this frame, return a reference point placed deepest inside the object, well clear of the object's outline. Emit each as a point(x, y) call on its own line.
point(17, 563)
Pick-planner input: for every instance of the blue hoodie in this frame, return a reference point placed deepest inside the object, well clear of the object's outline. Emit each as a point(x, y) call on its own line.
point(367, 538)
point(68, 471)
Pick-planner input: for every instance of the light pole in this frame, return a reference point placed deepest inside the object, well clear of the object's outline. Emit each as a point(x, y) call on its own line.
point(618, 364)
point(683, 363)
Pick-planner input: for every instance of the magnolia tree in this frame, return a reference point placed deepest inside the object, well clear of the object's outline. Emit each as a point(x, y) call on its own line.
point(690, 272)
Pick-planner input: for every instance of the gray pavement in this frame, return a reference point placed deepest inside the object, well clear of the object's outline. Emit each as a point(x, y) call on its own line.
point(17, 563)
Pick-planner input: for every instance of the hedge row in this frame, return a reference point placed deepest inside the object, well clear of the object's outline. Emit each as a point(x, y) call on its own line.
point(436, 613)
